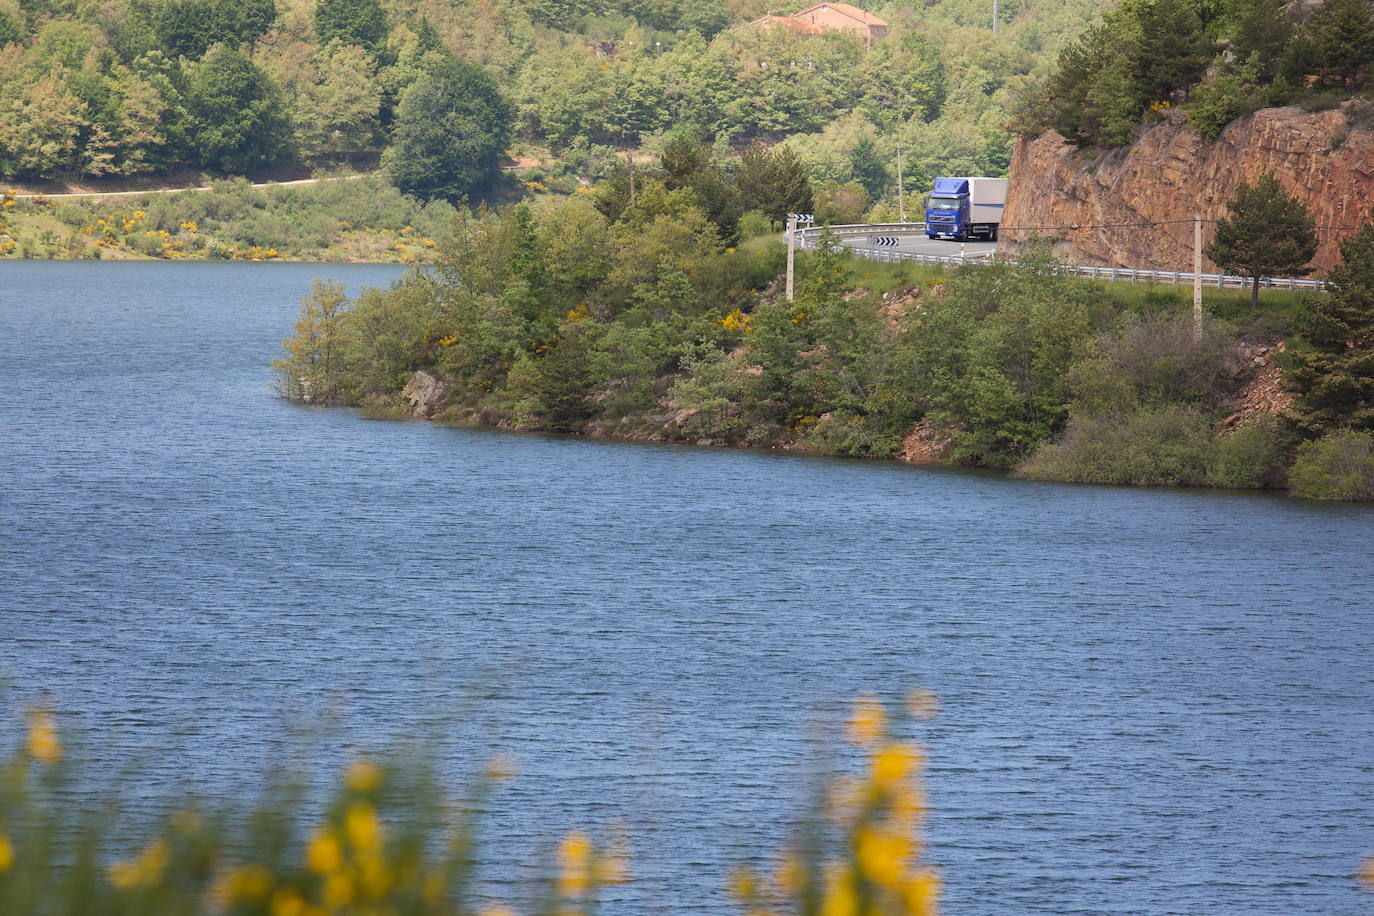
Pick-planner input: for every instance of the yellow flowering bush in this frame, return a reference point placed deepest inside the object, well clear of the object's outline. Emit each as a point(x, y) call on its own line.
point(388, 844)
point(862, 854)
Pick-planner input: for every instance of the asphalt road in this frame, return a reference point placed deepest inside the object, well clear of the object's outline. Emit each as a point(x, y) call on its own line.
point(922, 245)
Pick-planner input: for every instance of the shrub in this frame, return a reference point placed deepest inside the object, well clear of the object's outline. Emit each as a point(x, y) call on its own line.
point(852, 436)
point(754, 224)
point(1254, 457)
point(1164, 446)
point(1154, 360)
point(1340, 466)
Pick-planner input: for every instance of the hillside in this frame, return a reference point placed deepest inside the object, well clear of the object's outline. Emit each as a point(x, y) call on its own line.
point(147, 87)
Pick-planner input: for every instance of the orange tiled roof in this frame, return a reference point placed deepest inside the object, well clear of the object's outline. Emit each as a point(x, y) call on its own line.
point(861, 15)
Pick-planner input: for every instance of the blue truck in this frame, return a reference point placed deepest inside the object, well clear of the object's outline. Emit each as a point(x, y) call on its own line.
point(965, 208)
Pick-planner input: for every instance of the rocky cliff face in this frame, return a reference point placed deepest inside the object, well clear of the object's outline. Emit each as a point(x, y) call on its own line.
point(1171, 174)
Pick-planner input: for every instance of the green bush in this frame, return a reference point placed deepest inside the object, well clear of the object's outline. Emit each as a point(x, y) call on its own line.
point(754, 224)
point(1164, 446)
point(1337, 466)
point(1255, 457)
point(1154, 360)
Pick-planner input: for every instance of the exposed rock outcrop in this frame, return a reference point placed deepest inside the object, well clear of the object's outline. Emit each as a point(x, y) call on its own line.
point(925, 444)
point(1172, 174)
point(425, 393)
point(1263, 394)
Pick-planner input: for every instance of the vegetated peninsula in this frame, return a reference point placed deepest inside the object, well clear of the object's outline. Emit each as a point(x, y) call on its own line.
point(613, 315)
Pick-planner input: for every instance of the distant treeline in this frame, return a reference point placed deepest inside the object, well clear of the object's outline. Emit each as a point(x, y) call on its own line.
point(134, 87)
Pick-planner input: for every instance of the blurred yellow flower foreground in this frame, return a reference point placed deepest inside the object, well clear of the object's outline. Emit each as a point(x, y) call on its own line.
point(390, 843)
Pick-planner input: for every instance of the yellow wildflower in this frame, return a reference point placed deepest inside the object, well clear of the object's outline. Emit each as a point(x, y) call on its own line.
point(287, 901)
point(840, 898)
point(922, 892)
point(44, 745)
point(6, 853)
point(869, 722)
point(144, 871)
point(363, 828)
point(324, 855)
point(883, 855)
point(574, 855)
point(250, 882)
point(893, 764)
point(338, 891)
point(363, 776)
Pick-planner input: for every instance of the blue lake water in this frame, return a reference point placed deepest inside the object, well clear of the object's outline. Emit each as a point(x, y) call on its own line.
point(1153, 701)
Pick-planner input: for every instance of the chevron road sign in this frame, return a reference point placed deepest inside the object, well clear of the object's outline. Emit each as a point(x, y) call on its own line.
point(804, 217)
point(883, 241)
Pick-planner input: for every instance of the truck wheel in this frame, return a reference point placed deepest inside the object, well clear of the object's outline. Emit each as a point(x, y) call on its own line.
point(931, 236)
point(992, 236)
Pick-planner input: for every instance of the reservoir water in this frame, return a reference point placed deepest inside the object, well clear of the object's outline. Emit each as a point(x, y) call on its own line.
point(1153, 701)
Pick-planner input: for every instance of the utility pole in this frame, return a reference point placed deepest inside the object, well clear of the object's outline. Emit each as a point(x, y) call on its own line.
point(791, 248)
point(1197, 277)
point(995, 17)
point(630, 167)
point(901, 191)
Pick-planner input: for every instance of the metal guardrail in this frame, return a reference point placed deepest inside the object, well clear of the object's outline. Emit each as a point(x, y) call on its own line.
point(807, 237)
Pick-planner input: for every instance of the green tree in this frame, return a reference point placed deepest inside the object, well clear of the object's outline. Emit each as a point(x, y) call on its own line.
point(351, 22)
point(1171, 50)
point(189, 27)
point(311, 367)
point(1342, 33)
point(1266, 234)
point(40, 127)
point(238, 116)
point(341, 113)
point(1333, 373)
point(452, 128)
point(772, 181)
point(868, 167)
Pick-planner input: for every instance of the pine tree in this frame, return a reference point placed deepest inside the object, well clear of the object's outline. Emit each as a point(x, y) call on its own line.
point(1266, 234)
point(1334, 376)
point(1342, 32)
point(773, 182)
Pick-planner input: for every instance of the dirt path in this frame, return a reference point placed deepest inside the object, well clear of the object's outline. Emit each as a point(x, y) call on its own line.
point(265, 184)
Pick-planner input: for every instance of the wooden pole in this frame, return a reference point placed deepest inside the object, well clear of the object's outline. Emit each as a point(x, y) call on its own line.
point(901, 191)
point(630, 167)
point(995, 17)
point(1197, 277)
point(791, 246)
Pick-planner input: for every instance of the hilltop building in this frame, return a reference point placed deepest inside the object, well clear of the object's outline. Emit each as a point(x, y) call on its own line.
point(828, 17)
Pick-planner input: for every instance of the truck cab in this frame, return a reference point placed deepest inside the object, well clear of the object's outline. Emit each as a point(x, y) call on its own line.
point(965, 208)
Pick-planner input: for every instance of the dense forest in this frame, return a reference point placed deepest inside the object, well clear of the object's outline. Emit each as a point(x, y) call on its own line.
point(1215, 59)
point(144, 87)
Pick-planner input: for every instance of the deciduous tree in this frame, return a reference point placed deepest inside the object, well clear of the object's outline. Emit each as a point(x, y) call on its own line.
point(238, 117)
point(452, 128)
